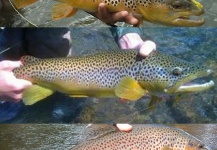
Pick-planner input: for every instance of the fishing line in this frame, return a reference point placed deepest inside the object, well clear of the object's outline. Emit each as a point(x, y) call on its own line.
point(138, 111)
point(7, 49)
point(22, 15)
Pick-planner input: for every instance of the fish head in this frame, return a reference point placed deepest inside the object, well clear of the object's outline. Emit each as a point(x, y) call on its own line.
point(165, 73)
point(197, 146)
point(190, 143)
point(172, 12)
point(185, 141)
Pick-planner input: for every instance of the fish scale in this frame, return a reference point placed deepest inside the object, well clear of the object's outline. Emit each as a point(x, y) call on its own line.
point(86, 69)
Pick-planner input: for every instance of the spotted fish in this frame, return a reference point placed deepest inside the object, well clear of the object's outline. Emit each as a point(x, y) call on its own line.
point(166, 12)
point(142, 137)
point(122, 74)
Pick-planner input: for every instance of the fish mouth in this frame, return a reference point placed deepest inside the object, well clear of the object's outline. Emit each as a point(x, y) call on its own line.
point(195, 87)
point(192, 84)
point(188, 19)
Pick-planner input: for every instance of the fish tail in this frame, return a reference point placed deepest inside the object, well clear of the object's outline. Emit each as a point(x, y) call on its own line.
point(23, 3)
point(62, 10)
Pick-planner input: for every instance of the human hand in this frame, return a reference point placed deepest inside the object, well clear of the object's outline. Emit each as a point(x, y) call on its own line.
point(112, 18)
point(134, 41)
point(10, 87)
point(123, 127)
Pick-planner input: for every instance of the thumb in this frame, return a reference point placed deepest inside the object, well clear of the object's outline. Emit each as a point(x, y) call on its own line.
point(9, 65)
point(21, 84)
point(147, 47)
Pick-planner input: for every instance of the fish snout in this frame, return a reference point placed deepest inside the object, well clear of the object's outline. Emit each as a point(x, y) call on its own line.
point(200, 12)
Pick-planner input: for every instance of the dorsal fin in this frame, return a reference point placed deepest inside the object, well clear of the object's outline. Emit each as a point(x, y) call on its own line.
point(95, 131)
point(28, 59)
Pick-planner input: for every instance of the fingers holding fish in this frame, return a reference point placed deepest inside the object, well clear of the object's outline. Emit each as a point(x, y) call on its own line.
point(130, 41)
point(134, 41)
point(11, 96)
point(147, 47)
point(162, 12)
point(9, 65)
point(111, 18)
point(123, 127)
point(11, 88)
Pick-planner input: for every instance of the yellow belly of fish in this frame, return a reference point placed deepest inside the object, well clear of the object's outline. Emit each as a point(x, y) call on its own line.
point(42, 90)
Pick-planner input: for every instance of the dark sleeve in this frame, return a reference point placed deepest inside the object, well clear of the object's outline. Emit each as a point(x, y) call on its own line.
point(38, 42)
point(118, 32)
point(12, 43)
point(48, 42)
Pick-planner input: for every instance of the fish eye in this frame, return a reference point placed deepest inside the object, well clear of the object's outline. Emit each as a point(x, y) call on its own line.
point(176, 71)
point(176, 5)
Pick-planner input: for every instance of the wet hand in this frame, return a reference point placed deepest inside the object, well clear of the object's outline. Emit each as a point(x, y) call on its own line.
point(134, 41)
point(112, 18)
point(10, 87)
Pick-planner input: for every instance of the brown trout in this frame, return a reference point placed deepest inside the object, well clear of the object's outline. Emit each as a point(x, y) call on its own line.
point(142, 137)
point(122, 74)
point(166, 12)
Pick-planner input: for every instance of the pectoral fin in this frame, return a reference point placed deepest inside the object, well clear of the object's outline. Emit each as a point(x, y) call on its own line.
point(23, 3)
point(154, 100)
point(62, 10)
point(129, 89)
point(35, 93)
